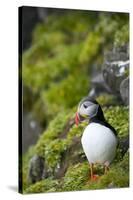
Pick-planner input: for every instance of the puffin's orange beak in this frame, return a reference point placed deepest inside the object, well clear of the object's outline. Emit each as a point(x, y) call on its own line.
point(77, 118)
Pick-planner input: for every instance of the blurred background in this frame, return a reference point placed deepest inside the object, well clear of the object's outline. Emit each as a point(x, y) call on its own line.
point(66, 55)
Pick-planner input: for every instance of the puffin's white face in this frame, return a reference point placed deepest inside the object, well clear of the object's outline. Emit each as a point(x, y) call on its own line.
point(86, 110)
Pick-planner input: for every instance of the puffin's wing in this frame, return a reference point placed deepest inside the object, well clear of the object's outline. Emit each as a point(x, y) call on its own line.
point(111, 127)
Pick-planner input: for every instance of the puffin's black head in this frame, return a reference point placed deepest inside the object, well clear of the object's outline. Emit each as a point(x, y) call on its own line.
point(88, 109)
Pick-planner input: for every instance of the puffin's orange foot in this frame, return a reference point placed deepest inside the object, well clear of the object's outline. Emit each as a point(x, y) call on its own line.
point(95, 177)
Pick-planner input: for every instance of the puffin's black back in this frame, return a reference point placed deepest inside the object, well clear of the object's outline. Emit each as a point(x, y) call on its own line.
point(104, 123)
point(99, 118)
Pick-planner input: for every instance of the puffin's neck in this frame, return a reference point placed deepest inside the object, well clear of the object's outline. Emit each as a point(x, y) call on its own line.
point(98, 117)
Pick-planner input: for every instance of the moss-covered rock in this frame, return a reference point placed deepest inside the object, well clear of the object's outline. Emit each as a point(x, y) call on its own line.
point(107, 100)
point(118, 117)
point(75, 177)
point(118, 176)
point(25, 167)
point(122, 36)
point(47, 185)
point(61, 149)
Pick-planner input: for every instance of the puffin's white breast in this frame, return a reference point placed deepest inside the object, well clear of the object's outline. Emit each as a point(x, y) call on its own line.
point(99, 143)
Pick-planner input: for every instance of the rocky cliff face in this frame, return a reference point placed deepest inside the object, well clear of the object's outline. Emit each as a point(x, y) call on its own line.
point(57, 70)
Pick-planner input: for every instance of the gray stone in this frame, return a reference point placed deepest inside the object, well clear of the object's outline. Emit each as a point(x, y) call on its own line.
point(124, 145)
point(124, 90)
point(111, 186)
point(36, 169)
point(115, 68)
point(31, 131)
point(98, 86)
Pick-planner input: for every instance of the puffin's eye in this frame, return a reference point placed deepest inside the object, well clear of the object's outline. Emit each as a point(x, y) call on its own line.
point(85, 106)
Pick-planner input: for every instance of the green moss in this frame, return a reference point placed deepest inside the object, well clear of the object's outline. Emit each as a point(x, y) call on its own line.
point(53, 153)
point(98, 39)
point(69, 24)
point(122, 36)
point(75, 177)
point(58, 75)
point(107, 100)
point(76, 131)
point(118, 176)
point(65, 89)
point(53, 131)
point(47, 185)
point(40, 74)
point(91, 47)
point(51, 147)
point(121, 120)
point(39, 51)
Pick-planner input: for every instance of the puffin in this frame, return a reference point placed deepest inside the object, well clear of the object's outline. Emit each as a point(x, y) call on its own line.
point(99, 139)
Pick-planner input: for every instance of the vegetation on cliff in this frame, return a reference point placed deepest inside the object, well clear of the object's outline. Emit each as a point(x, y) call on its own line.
point(56, 75)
